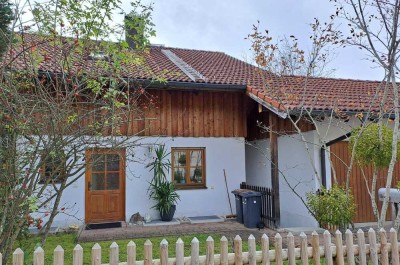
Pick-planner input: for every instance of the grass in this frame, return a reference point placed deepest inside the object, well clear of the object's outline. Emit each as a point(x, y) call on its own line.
point(68, 242)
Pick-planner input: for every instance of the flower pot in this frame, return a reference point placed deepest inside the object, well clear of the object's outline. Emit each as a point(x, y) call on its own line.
point(166, 217)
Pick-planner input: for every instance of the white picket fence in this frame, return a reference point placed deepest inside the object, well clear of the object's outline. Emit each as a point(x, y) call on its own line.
point(336, 252)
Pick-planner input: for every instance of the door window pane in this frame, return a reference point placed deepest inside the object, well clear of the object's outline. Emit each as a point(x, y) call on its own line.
point(98, 181)
point(98, 162)
point(113, 162)
point(113, 181)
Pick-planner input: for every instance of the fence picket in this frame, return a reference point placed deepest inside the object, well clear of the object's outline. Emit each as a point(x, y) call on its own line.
point(210, 251)
point(303, 249)
point(38, 256)
point(77, 255)
point(265, 250)
point(195, 252)
point(148, 253)
point(114, 254)
point(373, 248)
point(315, 248)
point(238, 250)
point(334, 253)
point(339, 248)
point(361, 247)
point(349, 247)
point(18, 257)
point(1, 259)
point(163, 252)
point(252, 250)
point(131, 253)
point(58, 256)
point(291, 255)
point(327, 248)
point(278, 249)
point(96, 254)
point(394, 246)
point(384, 247)
point(180, 252)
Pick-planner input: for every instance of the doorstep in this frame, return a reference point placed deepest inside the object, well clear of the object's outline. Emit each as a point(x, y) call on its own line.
point(161, 223)
point(205, 219)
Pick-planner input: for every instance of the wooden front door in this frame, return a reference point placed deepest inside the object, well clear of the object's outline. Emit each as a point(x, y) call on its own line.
point(360, 177)
point(105, 185)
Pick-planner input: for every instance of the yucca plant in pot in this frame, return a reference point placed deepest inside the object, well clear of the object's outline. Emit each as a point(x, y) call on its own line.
point(161, 190)
point(166, 197)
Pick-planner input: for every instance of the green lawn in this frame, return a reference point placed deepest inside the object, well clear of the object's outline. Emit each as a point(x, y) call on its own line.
point(68, 242)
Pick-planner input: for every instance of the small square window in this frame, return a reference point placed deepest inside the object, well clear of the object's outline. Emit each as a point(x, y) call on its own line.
point(188, 167)
point(53, 166)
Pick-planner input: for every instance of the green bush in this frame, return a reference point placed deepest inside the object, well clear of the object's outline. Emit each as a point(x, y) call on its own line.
point(332, 208)
point(370, 149)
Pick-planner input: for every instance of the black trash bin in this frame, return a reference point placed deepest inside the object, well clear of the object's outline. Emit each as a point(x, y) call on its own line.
point(251, 201)
point(239, 204)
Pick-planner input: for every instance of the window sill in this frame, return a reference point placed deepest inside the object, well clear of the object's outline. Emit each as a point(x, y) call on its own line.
point(188, 187)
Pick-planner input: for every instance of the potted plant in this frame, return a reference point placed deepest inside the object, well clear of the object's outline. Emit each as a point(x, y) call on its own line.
point(161, 190)
point(178, 177)
point(182, 159)
point(165, 196)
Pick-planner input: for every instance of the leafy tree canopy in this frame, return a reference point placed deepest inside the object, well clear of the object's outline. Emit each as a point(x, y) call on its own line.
point(6, 16)
point(373, 145)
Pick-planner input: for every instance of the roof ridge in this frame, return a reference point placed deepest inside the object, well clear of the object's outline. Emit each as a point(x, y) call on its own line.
point(332, 78)
point(185, 49)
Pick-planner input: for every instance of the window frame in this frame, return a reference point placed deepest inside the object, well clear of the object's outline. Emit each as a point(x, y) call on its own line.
point(60, 171)
point(121, 152)
point(188, 184)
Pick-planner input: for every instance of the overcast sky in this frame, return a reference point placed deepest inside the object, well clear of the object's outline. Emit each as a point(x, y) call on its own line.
point(222, 25)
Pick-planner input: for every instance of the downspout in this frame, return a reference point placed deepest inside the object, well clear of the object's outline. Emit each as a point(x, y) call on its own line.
point(323, 156)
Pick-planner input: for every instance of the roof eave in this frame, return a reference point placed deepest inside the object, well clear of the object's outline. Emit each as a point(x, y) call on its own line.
point(268, 106)
point(191, 85)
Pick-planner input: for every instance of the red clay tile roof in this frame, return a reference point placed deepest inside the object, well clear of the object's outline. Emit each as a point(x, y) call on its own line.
point(321, 94)
point(217, 67)
point(282, 93)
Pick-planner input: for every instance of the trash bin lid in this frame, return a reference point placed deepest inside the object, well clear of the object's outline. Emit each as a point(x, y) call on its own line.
point(240, 191)
point(250, 193)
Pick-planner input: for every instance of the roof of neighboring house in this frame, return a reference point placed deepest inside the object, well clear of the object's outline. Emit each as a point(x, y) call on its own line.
point(279, 93)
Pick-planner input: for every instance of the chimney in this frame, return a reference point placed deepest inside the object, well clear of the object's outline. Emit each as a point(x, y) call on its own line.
point(134, 31)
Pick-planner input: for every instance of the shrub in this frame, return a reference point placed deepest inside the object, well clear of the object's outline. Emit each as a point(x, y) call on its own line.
point(332, 208)
point(370, 148)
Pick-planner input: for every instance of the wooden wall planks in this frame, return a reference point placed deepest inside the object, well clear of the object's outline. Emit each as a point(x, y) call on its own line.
point(340, 157)
point(190, 114)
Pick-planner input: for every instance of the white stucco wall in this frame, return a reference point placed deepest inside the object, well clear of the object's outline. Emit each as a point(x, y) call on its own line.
point(297, 172)
point(295, 165)
point(258, 163)
point(221, 153)
point(299, 166)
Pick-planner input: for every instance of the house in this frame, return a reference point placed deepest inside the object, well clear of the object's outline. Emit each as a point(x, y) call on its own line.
point(210, 110)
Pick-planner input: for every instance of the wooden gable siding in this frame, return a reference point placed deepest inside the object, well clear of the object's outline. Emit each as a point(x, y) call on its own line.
point(190, 114)
point(257, 120)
